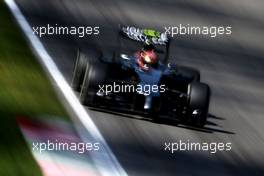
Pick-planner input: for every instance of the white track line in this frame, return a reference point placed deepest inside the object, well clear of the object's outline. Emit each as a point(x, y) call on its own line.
point(104, 159)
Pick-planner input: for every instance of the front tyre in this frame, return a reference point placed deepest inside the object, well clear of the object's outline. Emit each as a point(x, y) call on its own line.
point(199, 97)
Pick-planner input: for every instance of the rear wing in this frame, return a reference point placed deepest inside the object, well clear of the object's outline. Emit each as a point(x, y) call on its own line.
point(148, 36)
point(138, 37)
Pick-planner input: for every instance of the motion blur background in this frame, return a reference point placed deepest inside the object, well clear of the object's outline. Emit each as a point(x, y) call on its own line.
point(232, 65)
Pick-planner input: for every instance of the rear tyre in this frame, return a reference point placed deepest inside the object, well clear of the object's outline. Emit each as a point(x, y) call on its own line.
point(199, 97)
point(79, 70)
point(95, 75)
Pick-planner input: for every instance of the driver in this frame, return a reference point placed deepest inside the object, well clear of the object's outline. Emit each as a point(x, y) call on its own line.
point(146, 57)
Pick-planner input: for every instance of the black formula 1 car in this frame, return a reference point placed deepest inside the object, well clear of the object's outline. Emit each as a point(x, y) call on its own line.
point(118, 83)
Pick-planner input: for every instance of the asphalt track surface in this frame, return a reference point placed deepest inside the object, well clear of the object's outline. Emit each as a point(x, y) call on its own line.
point(233, 66)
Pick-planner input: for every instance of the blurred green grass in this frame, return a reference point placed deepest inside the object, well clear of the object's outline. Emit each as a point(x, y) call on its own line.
point(24, 91)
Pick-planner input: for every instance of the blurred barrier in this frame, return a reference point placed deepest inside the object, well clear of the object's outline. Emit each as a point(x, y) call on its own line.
point(56, 147)
point(105, 160)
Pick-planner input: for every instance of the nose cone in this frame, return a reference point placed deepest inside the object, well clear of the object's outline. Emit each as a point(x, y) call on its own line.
point(148, 102)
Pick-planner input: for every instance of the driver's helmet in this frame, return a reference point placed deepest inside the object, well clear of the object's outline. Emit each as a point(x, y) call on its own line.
point(148, 55)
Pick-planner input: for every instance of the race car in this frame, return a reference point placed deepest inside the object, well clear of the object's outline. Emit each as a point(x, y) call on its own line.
point(158, 90)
